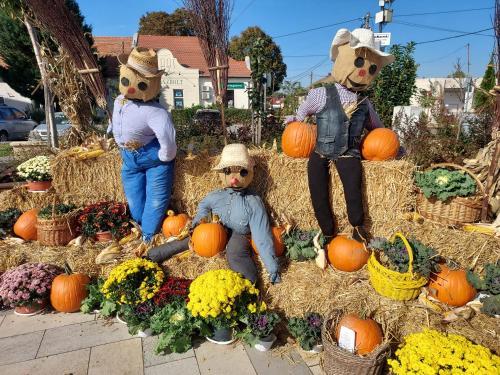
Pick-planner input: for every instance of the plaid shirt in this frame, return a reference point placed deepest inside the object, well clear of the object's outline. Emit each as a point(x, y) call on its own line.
point(316, 100)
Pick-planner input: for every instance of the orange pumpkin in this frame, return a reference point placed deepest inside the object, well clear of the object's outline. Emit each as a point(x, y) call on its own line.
point(298, 139)
point(380, 144)
point(25, 226)
point(279, 245)
point(68, 291)
point(451, 286)
point(173, 224)
point(346, 254)
point(209, 239)
point(368, 332)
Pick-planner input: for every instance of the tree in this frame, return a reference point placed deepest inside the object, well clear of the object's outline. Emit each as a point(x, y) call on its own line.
point(458, 73)
point(271, 58)
point(161, 23)
point(395, 84)
point(481, 98)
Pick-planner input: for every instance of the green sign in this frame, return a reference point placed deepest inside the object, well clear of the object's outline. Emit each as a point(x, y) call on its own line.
point(235, 85)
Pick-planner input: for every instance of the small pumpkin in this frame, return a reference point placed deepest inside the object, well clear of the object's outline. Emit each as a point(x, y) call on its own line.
point(380, 144)
point(299, 139)
point(25, 226)
point(69, 290)
point(279, 244)
point(368, 332)
point(173, 224)
point(209, 239)
point(346, 254)
point(450, 286)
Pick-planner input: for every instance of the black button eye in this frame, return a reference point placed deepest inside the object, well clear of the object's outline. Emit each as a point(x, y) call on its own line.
point(373, 69)
point(359, 62)
point(143, 86)
point(243, 173)
point(125, 81)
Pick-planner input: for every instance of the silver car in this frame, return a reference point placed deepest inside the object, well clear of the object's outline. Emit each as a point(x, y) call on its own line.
point(14, 124)
point(40, 132)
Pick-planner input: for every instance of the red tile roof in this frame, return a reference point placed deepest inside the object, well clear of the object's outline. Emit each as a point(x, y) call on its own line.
point(186, 49)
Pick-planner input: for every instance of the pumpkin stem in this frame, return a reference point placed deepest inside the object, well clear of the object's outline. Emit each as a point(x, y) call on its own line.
point(215, 219)
point(67, 268)
point(170, 213)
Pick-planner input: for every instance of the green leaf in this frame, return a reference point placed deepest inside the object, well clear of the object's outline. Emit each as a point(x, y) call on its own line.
point(108, 308)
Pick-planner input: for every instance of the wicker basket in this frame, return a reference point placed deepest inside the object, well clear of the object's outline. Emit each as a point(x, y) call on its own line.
point(57, 231)
point(338, 361)
point(455, 211)
point(395, 285)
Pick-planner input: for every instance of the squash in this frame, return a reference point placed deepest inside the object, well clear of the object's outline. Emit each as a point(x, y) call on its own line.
point(279, 244)
point(346, 254)
point(25, 226)
point(380, 144)
point(209, 239)
point(298, 139)
point(69, 290)
point(173, 224)
point(451, 286)
point(368, 332)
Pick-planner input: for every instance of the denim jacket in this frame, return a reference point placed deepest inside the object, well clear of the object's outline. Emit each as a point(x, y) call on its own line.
point(337, 134)
point(243, 212)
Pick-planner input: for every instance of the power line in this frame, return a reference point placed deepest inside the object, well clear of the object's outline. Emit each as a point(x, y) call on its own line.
point(443, 12)
point(243, 11)
point(317, 28)
point(434, 28)
point(298, 56)
point(442, 57)
point(306, 72)
point(453, 37)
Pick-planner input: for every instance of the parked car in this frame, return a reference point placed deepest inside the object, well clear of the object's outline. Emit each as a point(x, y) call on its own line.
point(40, 132)
point(14, 124)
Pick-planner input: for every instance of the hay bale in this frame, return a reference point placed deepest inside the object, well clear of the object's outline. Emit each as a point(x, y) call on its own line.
point(21, 198)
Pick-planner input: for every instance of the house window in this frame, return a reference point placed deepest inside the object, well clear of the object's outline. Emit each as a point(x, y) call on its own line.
point(178, 99)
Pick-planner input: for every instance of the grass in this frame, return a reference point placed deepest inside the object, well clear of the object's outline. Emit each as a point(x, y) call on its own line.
point(5, 149)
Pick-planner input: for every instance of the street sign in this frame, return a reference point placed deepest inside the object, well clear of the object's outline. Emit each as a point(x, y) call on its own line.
point(235, 85)
point(383, 38)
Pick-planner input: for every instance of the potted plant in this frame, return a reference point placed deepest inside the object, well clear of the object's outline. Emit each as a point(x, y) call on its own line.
point(26, 288)
point(489, 287)
point(219, 298)
point(172, 288)
point(258, 331)
point(96, 302)
point(300, 245)
point(56, 224)
point(37, 172)
point(104, 221)
point(7, 220)
point(137, 318)
point(307, 331)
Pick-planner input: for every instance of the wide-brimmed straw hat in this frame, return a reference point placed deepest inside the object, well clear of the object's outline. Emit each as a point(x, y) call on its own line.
point(143, 60)
point(359, 38)
point(234, 155)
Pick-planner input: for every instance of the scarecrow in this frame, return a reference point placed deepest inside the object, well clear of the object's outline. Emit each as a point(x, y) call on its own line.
point(240, 211)
point(342, 112)
point(144, 131)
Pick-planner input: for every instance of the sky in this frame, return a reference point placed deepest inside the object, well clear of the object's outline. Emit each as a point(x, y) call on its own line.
point(306, 52)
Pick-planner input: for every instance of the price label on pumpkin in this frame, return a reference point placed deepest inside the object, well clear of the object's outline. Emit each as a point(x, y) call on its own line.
point(347, 339)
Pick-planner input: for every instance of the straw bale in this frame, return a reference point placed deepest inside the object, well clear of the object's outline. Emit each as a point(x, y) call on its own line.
point(21, 198)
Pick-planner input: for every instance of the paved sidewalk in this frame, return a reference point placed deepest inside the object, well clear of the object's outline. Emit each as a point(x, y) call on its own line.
point(80, 344)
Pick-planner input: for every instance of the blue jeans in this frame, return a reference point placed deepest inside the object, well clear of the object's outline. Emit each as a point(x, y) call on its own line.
point(147, 182)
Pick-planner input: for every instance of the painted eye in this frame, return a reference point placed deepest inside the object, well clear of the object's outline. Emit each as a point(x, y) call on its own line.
point(372, 69)
point(143, 86)
point(125, 81)
point(243, 172)
point(359, 62)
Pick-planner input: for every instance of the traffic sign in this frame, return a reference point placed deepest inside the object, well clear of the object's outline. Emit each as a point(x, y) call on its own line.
point(383, 38)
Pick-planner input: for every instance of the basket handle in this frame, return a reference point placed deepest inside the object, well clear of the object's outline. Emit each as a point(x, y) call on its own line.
point(478, 182)
point(408, 248)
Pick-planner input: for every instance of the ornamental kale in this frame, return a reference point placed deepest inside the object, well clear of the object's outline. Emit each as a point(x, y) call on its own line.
point(490, 285)
point(443, 184)
point(138, 317)
point(57, 210)
point(7, 220)
point(258, 326)
point(299, 245)
point(95, 299)
point(307, 330)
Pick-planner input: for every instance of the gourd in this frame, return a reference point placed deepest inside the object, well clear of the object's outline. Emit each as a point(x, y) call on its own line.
point(209, 239)
point(380, 144)
point(346, 254)
point(298, 139)
point(173, 224)
point(25, 226)
point(450, 286)
point(368, 332)
point(279, 244)
point(69, 290)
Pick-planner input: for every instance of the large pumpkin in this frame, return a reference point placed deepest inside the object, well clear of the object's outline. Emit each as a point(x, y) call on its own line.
point(380, 144)
point(451, 286)
point(209, 239)
point(68, 291)
point(346, 254)
point(368, 332)
point(298, 139)
point(279, 244)
point(173, 224)
point(25, 226)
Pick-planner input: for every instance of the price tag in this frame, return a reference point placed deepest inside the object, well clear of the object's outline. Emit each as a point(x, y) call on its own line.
point(347, 339)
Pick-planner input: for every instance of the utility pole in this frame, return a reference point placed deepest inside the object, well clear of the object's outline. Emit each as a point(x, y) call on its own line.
point(311, 84)
point(468, 59)
point(383, 17)
point(366, 21)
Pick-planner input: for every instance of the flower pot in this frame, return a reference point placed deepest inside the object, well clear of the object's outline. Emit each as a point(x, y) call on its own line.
point(120, 320)
point(146, 333)
point(265, 343)
point(39, 186)
point(222, 336)
point(103, 236)
point(31, 309)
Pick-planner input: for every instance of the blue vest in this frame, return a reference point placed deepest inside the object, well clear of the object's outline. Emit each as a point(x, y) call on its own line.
point(337, 135)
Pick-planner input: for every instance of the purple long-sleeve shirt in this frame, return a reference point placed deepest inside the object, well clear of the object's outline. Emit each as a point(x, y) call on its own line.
point(139, 122)
point(316, 100)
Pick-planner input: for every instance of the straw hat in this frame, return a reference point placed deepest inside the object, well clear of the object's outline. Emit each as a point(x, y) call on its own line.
point(234, 155)
point(144, 61)
point(359, 38)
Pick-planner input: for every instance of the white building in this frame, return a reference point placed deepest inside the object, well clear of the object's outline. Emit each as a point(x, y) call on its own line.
point(186, 82)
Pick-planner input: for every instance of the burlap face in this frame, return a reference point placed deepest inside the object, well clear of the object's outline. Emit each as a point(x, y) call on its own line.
point(356, 68)
point(235, 178)
point(135, 86)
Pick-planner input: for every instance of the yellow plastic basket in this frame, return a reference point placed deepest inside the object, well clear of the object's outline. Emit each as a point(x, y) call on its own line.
point(395, 285)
